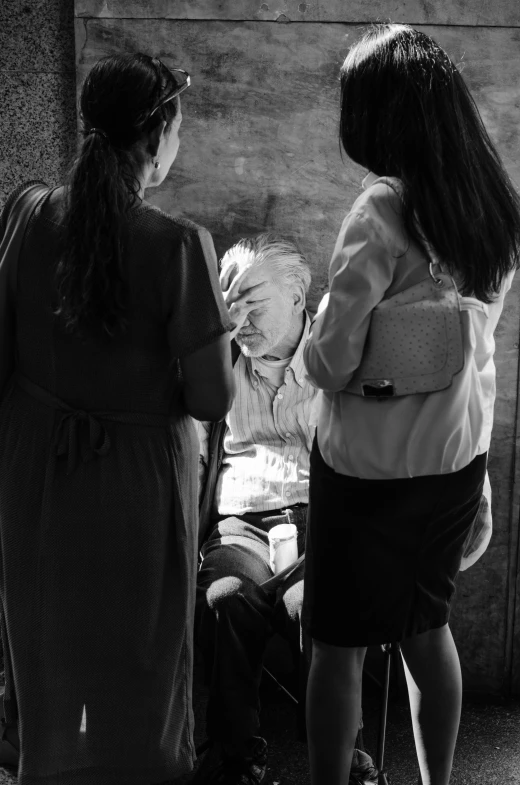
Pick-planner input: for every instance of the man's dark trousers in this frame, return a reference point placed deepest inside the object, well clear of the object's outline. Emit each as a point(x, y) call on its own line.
point(235, 618)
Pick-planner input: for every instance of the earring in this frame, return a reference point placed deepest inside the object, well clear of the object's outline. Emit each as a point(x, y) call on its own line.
point(157, 165)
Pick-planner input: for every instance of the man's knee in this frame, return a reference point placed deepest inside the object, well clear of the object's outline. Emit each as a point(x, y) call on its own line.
point(293, 601)
point(223, 594)
point(218, 603)
point(231, 595)
point(217, 580)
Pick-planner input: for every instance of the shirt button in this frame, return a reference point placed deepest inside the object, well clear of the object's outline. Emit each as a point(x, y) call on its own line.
point(291, 457)
point(287, 493)
point(279, 395)
point(288, 434)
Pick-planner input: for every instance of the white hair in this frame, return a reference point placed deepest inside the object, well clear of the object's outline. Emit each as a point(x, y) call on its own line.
point(283, 257)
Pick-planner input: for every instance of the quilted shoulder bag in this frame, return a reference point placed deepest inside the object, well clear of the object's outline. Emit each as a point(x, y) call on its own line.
point(415, 341)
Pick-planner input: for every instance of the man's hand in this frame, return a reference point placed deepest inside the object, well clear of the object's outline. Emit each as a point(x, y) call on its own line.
point(240, 304)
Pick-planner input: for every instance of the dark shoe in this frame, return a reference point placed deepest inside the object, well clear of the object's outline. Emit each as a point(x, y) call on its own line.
point(362, 770)
point(217, 769)
point(9, 747)
point(211, 761)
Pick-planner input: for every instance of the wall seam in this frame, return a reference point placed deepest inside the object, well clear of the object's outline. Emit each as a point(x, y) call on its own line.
point(291, 21)
point(514, 554)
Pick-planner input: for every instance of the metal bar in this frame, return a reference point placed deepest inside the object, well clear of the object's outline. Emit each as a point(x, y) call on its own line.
point(281, 686)
point(382, 718)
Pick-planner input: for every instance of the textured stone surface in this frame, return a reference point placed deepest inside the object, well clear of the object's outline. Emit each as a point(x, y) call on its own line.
point(37, 35)
point(9, 11)
point(38, 136)
point(37, 91)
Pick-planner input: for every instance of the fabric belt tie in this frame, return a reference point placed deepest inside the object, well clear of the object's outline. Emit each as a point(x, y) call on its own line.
point(83, 433)
point(80, 429)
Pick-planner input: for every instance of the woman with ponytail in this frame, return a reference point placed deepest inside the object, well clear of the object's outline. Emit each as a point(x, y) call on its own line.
point(114, 335)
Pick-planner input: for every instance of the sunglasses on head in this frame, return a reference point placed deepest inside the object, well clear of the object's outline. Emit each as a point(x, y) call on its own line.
point(180, 88)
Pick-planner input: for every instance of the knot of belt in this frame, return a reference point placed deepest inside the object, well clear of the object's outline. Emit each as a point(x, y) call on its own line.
point(79, 432)
point(82, 433)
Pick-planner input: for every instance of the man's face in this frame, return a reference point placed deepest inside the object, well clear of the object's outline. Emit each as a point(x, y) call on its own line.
point(266, 326)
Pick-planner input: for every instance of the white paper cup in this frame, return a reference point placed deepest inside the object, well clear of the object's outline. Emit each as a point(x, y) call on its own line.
point(283, 546)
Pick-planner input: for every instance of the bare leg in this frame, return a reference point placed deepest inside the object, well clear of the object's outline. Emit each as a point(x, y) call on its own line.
point(435, 688)
point(333, 711)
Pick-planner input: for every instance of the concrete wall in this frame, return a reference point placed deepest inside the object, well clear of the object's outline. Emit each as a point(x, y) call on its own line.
point(259, 149)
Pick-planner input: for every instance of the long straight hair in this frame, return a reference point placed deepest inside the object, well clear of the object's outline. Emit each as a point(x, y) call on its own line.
point(406, 112)
point(117, 98)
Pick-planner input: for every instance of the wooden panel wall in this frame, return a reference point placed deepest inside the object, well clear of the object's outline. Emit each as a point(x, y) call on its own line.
point(259, 150)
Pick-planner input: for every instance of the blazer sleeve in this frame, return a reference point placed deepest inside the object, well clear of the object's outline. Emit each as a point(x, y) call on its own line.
point(361, 271)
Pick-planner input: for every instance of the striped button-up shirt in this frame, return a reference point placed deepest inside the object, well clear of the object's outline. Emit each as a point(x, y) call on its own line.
point(268, 438)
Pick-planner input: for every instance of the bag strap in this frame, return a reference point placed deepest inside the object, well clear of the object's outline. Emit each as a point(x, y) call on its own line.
point(17, 221)
point(18, 217)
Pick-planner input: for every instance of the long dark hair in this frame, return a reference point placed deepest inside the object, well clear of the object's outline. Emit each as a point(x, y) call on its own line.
point(117, 98)
point(406, 112)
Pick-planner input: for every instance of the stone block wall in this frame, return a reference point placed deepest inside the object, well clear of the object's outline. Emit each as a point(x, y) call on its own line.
point(37, 91)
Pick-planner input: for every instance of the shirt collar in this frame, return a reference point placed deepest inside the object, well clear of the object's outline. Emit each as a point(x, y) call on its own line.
point(296, 365)
point(369, 179)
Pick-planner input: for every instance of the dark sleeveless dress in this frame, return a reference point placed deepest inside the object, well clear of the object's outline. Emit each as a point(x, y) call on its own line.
point(98, 512)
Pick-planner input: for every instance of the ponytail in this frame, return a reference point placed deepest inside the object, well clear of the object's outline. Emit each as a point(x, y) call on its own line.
point(102, 187)
point(90, 274)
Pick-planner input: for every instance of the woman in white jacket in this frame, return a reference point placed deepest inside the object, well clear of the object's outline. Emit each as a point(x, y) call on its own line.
point(396, 480)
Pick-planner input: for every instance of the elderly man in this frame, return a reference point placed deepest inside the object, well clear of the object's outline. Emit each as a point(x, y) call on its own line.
point(255, 472)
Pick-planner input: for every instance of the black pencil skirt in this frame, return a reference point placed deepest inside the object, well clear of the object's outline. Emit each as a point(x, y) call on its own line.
point(382, 556)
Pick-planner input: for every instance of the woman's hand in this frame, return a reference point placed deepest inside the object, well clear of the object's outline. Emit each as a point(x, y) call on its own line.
point(240, 304)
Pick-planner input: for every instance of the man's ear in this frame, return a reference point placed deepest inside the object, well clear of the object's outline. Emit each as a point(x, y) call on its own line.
point(298, 298)
point(154, 138)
